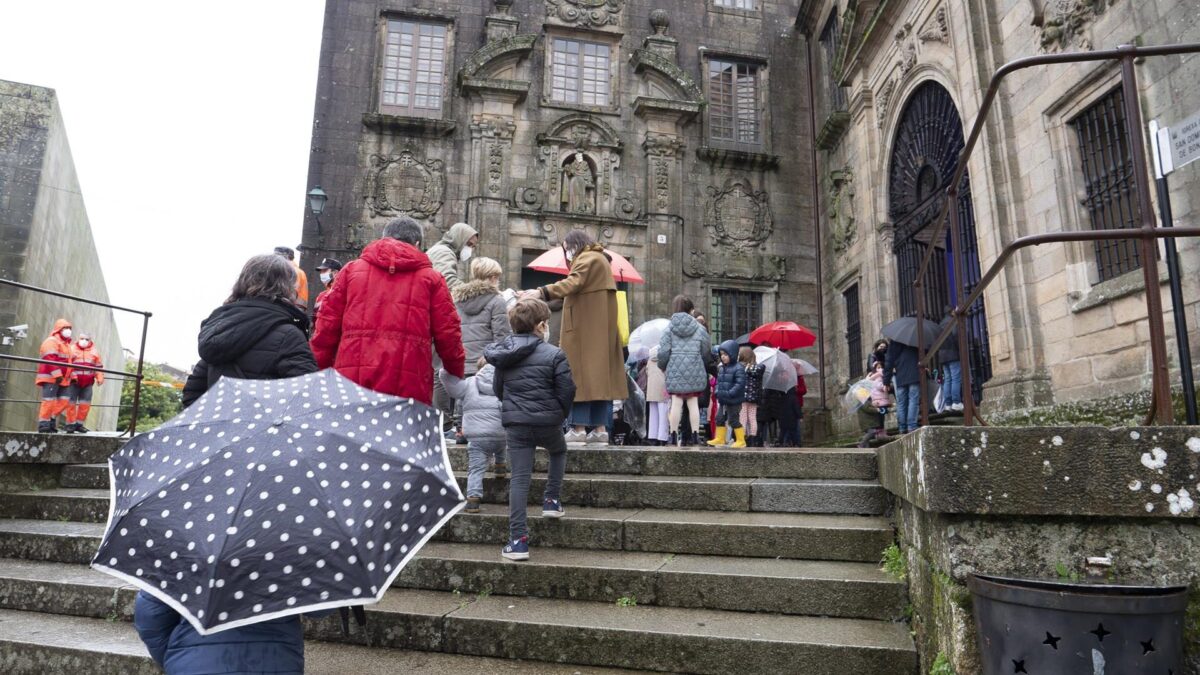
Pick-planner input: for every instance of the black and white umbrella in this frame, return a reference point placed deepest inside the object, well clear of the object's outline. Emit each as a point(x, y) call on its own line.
point(275, 497)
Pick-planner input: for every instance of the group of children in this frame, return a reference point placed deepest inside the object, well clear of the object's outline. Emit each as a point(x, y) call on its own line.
point(67, 383)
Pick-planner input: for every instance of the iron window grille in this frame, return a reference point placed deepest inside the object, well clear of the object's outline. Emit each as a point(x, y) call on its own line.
point(830, 43)
point(580, 72)
point(1108, 174)
point(853, 331)
point(733, 106)
point(414, 67)
point(734, 313)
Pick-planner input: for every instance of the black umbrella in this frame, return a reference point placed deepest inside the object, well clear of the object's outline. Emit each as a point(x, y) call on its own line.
point(744, 340)
point(904, 330)
point(270, 498)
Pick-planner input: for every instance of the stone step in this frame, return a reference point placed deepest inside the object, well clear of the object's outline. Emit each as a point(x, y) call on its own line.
point(839, 589)
point(35, 643)
point(62, 504)
point(49, 540)
point(659, 492)
point(837, 463)
point(18, 447)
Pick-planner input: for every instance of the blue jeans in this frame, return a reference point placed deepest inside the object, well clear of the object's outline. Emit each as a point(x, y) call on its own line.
point(952, 383)
point(522, 440)
point(908, 406)
point(478, 454)
point(591, 414)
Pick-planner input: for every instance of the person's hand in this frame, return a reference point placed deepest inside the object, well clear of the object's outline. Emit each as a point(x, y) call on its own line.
point(525, 295)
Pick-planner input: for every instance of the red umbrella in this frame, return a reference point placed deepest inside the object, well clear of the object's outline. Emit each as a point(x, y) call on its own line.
point(783, 335)
point(555, 262)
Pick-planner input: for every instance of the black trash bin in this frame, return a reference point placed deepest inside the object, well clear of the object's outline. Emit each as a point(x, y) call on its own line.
point(1053, 628)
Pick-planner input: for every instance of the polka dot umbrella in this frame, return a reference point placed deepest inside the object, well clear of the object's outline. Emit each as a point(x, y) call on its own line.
point(274, 497)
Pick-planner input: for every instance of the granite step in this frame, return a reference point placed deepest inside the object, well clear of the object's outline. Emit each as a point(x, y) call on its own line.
point(36, 643)
point(659, 492)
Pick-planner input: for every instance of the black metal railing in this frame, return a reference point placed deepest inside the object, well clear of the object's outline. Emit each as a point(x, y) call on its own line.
point(137, 391)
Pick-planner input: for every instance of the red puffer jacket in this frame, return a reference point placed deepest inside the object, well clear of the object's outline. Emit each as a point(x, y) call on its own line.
point(382, 318)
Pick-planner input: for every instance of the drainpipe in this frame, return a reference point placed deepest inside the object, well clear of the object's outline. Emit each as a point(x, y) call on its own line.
point(816, 202)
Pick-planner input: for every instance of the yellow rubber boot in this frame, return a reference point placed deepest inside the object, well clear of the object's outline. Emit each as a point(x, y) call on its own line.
point(740, 434)
point(722, 434)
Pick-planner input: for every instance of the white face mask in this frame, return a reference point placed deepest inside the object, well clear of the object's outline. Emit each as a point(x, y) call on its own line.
point(66, 333)
point(570, 256)
point(326, 277)
point(84, 344)
point(465, 254)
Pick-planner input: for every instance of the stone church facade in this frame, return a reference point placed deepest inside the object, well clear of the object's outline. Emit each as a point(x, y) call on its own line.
point(676, 133)
point(898, 87)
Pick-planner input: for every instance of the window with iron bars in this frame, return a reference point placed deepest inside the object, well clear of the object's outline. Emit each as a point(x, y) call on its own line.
point(830, 43)
point(734, 313)
point(1108, 176)
point(733, 107)
point(414, 67)
point(853, 331)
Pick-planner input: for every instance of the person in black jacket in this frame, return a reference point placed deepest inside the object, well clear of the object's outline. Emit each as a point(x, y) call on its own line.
point(258, 334)
point(901, 371)
point(536, 391)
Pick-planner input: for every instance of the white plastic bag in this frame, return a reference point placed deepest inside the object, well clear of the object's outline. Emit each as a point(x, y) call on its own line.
point(939, 404)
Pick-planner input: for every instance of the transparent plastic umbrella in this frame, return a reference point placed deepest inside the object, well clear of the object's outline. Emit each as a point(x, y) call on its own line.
point(645, 337)
point(779, 372)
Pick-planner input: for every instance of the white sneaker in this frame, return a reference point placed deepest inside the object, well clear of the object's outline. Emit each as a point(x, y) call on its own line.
point(956, 407)
point(573, 436)
point(598, 437)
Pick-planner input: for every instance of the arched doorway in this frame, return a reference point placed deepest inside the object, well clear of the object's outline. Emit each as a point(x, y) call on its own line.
point(929, 138)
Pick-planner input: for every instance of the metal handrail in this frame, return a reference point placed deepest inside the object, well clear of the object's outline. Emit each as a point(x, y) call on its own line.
point(1147, 234)
point(137, 390)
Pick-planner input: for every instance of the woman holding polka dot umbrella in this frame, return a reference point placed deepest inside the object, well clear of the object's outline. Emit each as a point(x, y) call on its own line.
point(267, 499)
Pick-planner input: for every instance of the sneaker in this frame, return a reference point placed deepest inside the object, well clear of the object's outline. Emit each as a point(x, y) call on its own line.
point(46, 428)
point(472, 505)
point(574, 436)
point(598, 437)
point(957, 407)
point(553, 508)
point(501, 470)
point(517, 549)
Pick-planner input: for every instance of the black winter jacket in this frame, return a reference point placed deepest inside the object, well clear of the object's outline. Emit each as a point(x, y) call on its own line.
point(754, 383)
point(949, 349)
point(901, 365)
point(533, 381)
point(255, 339)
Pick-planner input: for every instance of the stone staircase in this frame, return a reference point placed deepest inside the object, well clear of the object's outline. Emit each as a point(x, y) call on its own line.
point(706, 561)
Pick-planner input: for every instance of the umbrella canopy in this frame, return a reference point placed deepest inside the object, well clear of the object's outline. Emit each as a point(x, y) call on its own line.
point(783, 335)
point(904, 330)
point(744, 340)
point(270, 498)
point(555, 262)
point(779, 372)
point(804, 367)
point(647, 336)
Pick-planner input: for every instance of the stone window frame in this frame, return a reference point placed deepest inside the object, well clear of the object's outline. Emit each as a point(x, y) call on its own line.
point(1084, 289)
point(755, 12)
point(609, 39)
point(762, 78)
point(767, 290)
point(383, 116)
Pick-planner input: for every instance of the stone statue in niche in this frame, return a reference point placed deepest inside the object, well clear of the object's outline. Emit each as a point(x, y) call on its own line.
point(578, 185)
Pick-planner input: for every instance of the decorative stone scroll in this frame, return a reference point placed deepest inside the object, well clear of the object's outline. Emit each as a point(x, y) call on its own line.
point(737, 216)
point(661, 153)
point(938, 29)
point(1066, 20)
point(405, 183)
point(883, 99)
point(593, 13)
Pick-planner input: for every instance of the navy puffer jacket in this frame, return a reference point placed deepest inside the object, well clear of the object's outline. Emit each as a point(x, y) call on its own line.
point(731, 380)
point(533, 381)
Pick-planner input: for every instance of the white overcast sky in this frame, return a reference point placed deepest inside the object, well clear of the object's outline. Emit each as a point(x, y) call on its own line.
point(190, 125)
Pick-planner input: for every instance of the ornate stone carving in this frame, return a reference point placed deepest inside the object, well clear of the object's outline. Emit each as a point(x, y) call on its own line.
point(662, 183)
point(627, 206)
point(494, 136)
point(687, 88)
point(938, 29)
point(596, 13)
point(578, 185)
point(1065, 21)
point(843, 227)
point(495, 167)
point(528, 197)
point(737, 265)
point(405, 183)
point(502, 50)
point(660, 21)
point(883, 99)
point(737, 216)
point(886, 232)
point(907, 60)
point(579, 156)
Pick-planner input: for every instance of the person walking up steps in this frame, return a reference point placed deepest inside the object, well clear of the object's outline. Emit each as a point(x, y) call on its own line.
point(482, 425)
point(731, 394)
point(754, 394)
point(533, 382)
point(681, 353)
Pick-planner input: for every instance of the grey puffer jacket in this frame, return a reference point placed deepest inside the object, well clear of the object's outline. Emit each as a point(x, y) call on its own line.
point(681, 355)
point(481, 408)
point(484, 317)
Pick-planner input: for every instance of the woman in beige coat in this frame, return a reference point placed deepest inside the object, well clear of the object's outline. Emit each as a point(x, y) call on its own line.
point(589, 336)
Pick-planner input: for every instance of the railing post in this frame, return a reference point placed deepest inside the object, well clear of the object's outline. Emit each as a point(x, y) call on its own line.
point(137, 384)
point(1160, 400)
point(960, 310)
point(919, 291)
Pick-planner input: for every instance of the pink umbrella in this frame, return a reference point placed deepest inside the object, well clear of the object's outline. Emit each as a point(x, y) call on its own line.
point(555, 262)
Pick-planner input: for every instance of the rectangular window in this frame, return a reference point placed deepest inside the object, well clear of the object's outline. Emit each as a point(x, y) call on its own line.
point(830, 43)
point(414, 66)
point(734, 313)
point(737, 4)
point(733, 102)
point(1108, 174)
point(580, 72)
point(853, 331)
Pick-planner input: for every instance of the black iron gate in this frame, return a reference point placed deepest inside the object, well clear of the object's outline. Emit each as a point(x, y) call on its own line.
point(928, 141)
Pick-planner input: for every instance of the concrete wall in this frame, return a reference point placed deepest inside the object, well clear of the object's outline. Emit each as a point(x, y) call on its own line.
point(46, 241)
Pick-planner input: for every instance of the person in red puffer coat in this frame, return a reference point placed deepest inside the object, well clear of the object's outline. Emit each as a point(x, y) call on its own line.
point(387, 312)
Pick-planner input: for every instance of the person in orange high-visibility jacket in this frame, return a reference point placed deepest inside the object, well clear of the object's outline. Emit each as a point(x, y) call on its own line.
point(84, 357)
point(301, 277)
point(54, 379)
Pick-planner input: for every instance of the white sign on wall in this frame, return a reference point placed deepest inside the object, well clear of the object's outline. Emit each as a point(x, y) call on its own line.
point(1175, 146)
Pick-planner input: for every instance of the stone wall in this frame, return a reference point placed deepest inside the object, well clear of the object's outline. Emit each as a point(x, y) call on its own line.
point(1035, 503)
point(46, 242)
point(691, 214)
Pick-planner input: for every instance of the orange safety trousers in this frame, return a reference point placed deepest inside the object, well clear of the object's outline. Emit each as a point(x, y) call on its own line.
point(55, 401)
point(79, 403)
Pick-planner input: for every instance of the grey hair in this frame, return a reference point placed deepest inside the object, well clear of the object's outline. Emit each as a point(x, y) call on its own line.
point(576, 240)
point(405, 229)
point(270, 277)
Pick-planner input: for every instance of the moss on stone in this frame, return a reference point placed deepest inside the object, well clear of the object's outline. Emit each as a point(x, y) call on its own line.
point(1111, 411)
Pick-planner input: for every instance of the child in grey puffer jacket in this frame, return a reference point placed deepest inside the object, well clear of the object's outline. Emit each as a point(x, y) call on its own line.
point(481, 425)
